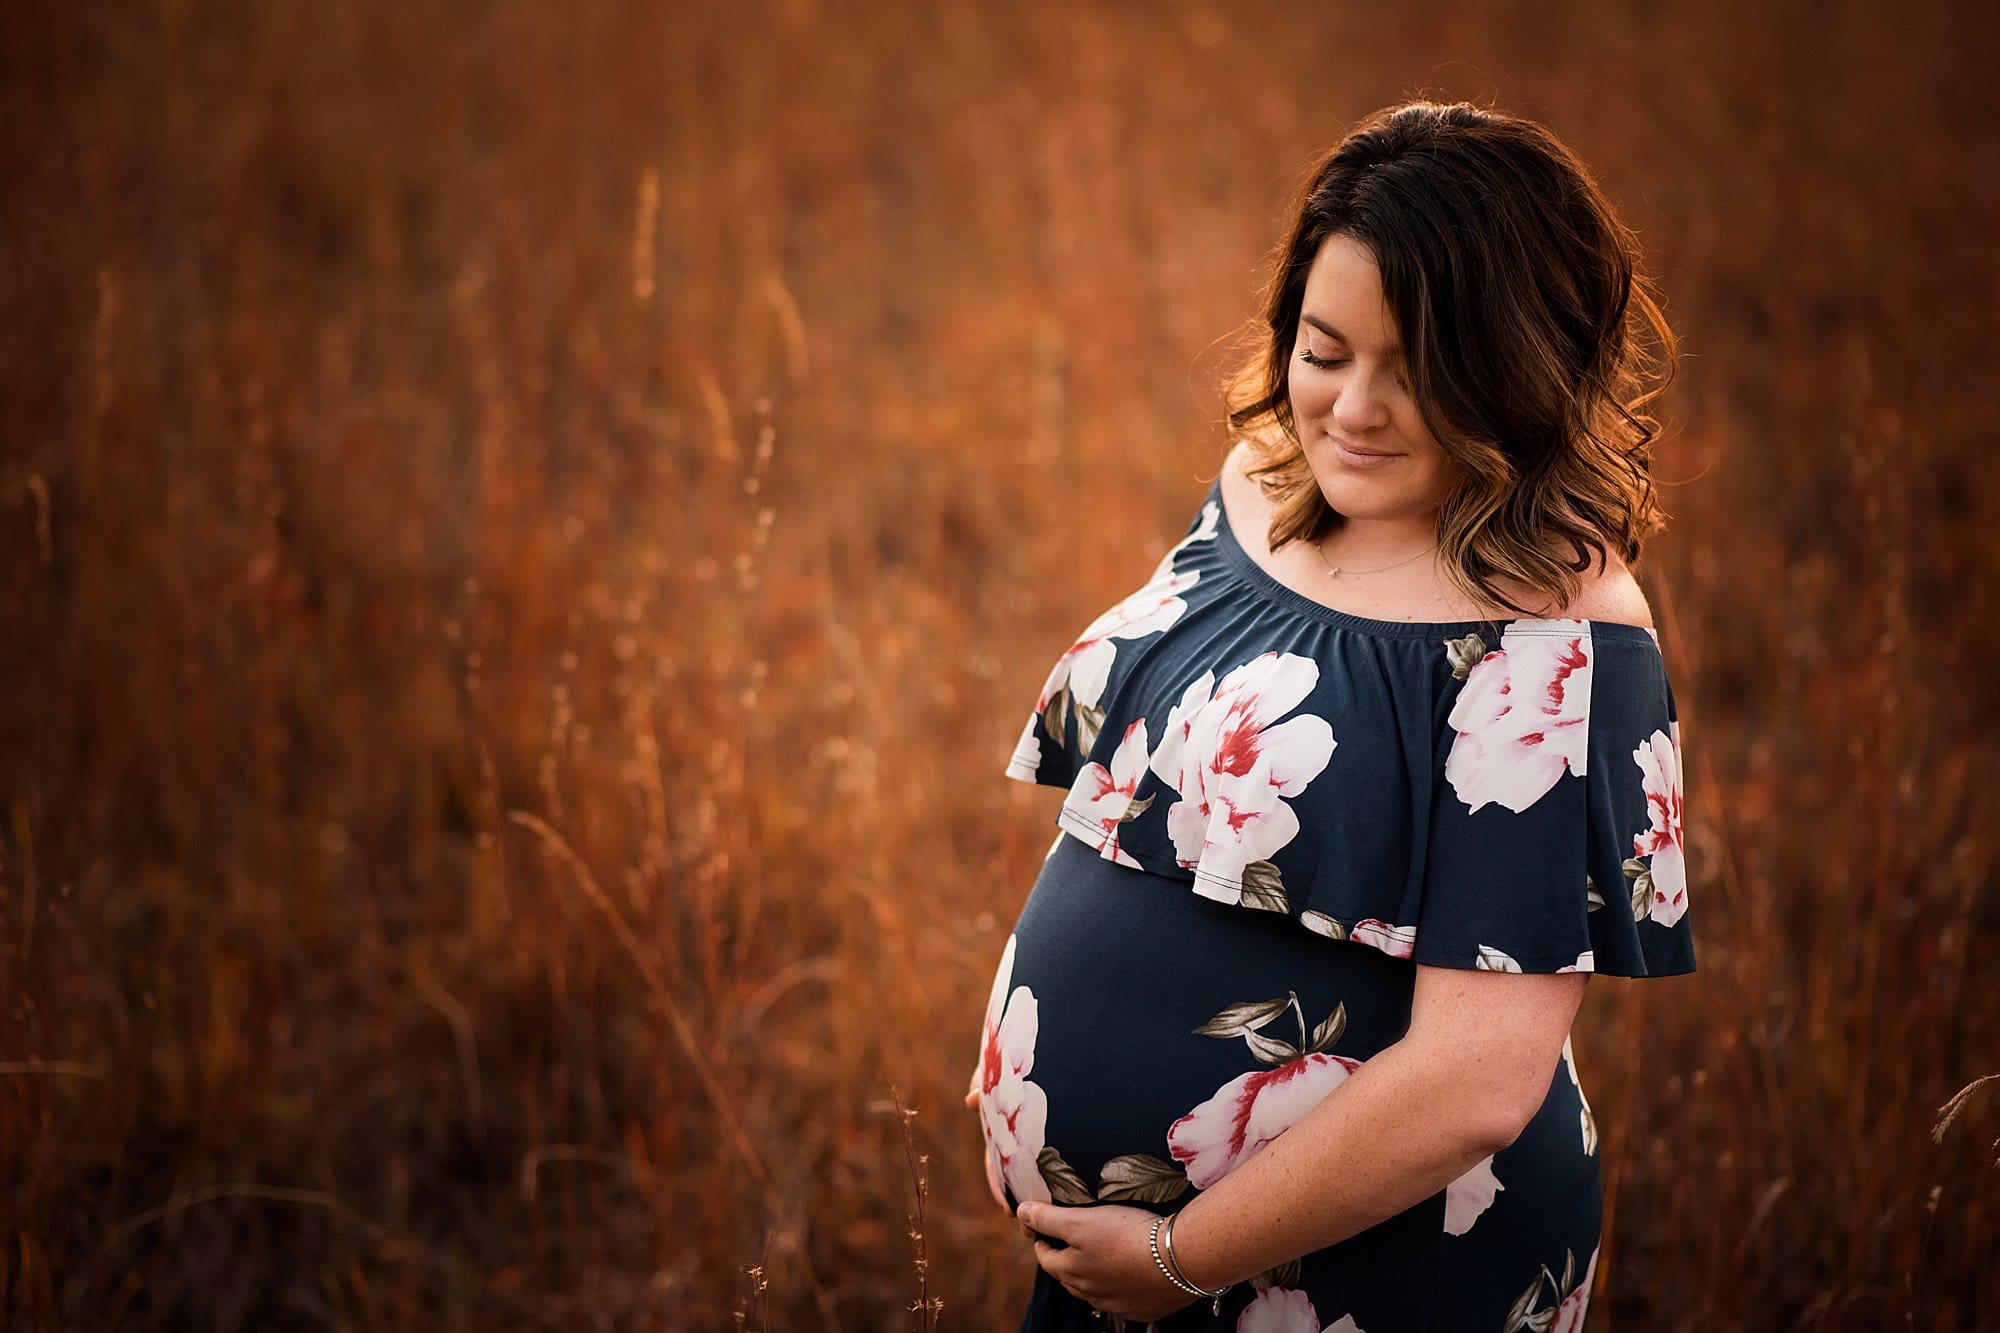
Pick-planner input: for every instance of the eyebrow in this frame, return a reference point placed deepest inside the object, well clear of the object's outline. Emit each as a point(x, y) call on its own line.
point(1394, 350)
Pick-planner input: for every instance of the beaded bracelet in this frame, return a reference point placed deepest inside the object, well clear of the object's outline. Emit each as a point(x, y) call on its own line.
point(1173, 1273)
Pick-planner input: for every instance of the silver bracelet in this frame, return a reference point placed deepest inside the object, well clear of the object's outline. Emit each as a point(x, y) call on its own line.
point(1153, 1240)
point(1171, 1266)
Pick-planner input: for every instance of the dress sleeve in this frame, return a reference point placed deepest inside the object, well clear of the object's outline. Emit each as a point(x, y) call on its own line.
point(1047, 750)
point(1555, 826)
point(1062, 730)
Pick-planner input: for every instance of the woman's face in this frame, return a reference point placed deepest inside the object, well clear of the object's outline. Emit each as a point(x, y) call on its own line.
point(1354, 391)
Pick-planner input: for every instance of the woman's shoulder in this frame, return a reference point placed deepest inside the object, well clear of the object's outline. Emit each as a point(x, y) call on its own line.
point(1610, 592)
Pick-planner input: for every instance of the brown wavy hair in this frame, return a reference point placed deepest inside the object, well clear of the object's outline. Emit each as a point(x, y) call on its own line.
point(1530, 333)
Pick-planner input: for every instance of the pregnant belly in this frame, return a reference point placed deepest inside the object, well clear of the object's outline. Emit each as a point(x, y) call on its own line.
point(1142, 1041)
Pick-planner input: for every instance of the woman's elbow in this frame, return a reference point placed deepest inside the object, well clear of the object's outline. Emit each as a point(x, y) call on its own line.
point(1500, 1036)
point(1510, 1122)
point(1521, 1099)
point(1491, 1124)
point(1493, 1109)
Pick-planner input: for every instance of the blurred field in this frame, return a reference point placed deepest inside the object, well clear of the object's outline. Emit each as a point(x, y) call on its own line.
point(529, 533)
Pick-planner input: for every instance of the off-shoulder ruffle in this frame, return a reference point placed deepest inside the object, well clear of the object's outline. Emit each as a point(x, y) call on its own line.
point(1501, 794)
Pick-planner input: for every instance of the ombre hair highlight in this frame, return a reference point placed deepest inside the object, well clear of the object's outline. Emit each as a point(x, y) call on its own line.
point(1533, 340)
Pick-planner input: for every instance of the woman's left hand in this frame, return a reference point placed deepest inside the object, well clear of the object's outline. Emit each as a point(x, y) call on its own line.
point(1108, 1261)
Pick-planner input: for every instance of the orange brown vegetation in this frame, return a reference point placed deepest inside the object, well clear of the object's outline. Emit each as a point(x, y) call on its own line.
point(529, 533)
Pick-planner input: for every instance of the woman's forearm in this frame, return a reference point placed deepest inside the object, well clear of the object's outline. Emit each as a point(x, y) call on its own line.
point(1396, 1131)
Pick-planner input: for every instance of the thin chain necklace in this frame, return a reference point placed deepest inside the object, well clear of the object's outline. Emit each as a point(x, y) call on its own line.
point(1333, 571)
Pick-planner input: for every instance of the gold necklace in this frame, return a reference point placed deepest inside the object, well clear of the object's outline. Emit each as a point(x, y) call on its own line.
point(1333, 571)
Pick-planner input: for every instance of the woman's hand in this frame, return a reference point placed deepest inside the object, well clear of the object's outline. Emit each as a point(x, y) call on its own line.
point(1108, 1261)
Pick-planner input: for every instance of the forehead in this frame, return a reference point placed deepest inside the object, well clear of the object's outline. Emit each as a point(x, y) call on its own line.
point(1344, 297)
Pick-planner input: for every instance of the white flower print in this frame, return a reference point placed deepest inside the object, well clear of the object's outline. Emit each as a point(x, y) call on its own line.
point(1569, 1313)
point(1279, 1310)
point(1288, 1310)
point(1658, 757)
point(1319, 923)
point(1491, 959)
point(1100, 800)
point(1522, 717)
point(1026, 760)
point(1249, 1111)
point(1202, 531)
point(1587, 1121)
point(1232, 763)
point(1585, 962)
point(1086, 665)
point(1469, 1196)
point(1084, 669)
point(1013, 1112)
point(1396, 941)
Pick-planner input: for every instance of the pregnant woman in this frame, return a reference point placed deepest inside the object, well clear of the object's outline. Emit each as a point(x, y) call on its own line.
point(1361, 787)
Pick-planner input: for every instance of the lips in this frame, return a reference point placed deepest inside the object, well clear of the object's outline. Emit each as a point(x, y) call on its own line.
point(1357, 449)
point(1359, 459)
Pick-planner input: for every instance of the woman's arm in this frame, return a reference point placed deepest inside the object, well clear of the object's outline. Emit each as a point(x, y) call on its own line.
point(1477, 1063)
point(1471, 1072)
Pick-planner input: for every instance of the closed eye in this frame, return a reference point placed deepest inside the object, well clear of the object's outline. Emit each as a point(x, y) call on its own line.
point(1328, 363)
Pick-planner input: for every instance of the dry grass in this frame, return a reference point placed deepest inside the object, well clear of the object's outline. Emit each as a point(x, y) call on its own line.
point(528, 532)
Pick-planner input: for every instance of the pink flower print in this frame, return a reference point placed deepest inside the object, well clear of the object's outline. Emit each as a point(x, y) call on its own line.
point(1396, 941)
point(1523, 716)
point(1288, 1310)
point(1101, 798)
point(1232, 762)
point(1013, 1112)
point(1659, 760)
point(1086, 666)
point(1466, 1198)
point(1569, 1313)
point(1249, 1111)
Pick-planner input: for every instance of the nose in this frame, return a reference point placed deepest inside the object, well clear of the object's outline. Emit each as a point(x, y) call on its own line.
point(1363, 403)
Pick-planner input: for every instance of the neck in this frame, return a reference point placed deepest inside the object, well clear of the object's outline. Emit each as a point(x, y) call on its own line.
point(1368, 541)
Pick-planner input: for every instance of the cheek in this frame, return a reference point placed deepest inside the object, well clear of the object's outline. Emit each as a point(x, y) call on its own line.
point(1444, 473)
point(1310, 396)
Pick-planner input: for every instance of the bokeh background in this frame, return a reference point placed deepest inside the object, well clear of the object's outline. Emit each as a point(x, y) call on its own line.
point(529, 532)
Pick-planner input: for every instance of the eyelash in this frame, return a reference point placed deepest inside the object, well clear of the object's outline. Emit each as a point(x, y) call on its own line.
point(1323, 363)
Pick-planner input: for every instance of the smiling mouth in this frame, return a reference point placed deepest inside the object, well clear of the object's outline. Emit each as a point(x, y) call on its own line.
point(1356, 449)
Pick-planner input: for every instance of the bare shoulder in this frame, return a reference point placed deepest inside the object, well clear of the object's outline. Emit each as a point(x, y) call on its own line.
point(1249, 507)
point(1611, 593)
point(1236, 463)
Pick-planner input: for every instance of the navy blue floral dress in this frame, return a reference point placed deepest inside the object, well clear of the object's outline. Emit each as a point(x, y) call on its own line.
point(1274, 810)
